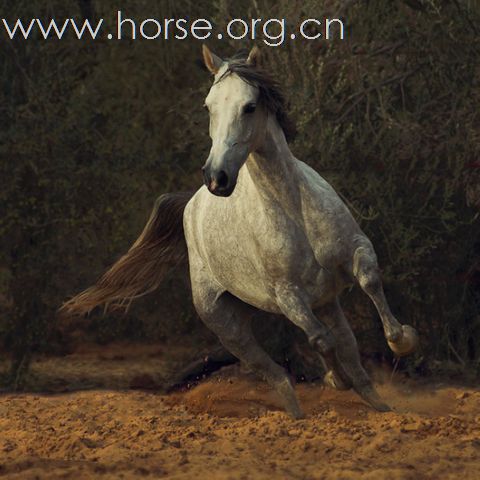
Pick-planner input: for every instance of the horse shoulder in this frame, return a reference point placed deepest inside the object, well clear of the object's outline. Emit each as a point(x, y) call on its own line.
point(329, 224)
point(321, 199)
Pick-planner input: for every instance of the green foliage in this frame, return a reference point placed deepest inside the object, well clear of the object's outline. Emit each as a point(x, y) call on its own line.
point(92, 132)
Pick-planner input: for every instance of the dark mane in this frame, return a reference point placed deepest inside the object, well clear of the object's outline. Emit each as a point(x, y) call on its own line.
point(271, 95)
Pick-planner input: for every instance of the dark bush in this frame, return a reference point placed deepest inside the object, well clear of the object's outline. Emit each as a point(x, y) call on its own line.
point(92, 132)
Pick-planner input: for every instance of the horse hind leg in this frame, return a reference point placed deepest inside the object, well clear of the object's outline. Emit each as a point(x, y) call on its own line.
point(230, 319)
point(402, 339)
point(333, 378)
point(330, 334)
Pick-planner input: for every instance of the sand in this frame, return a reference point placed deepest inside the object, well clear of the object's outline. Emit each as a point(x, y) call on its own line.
point(231, 426)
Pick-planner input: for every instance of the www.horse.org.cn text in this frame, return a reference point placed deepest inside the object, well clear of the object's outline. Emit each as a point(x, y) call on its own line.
point(273, 32)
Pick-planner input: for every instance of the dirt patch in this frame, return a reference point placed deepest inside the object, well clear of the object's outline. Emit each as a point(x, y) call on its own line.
point(232, 427)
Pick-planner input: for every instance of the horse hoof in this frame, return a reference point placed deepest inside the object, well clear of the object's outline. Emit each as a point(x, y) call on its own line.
point(382, 407)
point(298, 415)
point(396, 336)
point(407, 344)
point(295, 412)
point(370, 395)
point(333, 380)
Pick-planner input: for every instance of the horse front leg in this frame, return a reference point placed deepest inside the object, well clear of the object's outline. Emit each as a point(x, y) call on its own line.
point(402, 339)
point(230, 319)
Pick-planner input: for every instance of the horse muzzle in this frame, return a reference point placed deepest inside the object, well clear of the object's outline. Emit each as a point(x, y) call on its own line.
point(218, 182)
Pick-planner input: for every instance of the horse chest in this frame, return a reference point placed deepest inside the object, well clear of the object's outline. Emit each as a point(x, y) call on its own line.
point(281, 243)
point(257, 254)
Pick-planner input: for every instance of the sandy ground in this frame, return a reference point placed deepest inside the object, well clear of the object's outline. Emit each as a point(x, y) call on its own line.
point(231, 426)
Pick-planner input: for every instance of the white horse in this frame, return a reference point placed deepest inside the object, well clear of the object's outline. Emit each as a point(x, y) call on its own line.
point(266, 232)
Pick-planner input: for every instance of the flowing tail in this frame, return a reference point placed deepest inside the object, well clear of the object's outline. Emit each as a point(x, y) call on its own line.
point(160, 247)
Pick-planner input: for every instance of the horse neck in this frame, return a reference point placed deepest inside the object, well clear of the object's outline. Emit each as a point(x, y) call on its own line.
point(272, 169)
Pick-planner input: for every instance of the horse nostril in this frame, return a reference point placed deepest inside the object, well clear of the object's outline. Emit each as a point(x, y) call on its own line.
point(222, 179)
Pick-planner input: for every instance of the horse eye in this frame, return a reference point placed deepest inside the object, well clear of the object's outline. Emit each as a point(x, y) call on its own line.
point(205, 106)
point(249, 108)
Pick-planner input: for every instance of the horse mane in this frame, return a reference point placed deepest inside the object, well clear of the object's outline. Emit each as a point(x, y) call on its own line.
point(271, 94)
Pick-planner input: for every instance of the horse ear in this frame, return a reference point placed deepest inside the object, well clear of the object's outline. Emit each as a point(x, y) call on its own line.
point(254, 57)
point(212, 62)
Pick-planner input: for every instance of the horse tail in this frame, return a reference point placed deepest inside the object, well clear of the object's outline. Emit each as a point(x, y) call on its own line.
point(160, 247)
